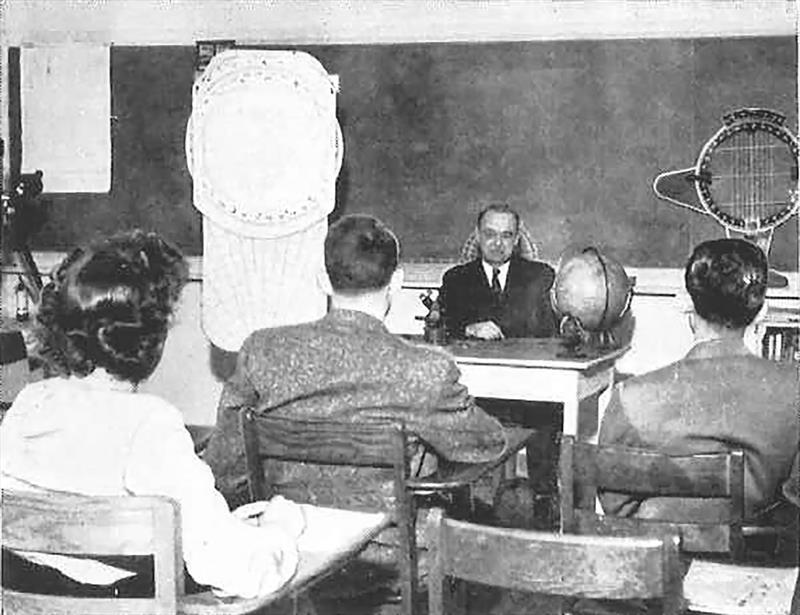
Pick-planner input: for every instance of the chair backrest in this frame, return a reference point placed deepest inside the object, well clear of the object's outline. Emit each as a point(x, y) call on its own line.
point(75, 525)
point(376, 444)
point(525, 248)
point(585, 469)
point(555, 564)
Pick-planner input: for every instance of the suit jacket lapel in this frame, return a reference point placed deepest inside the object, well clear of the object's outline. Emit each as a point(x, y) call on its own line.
point(515, 279)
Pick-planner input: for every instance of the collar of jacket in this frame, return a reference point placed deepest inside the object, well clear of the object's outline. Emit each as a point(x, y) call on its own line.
point(718, 347)
point(355, 319)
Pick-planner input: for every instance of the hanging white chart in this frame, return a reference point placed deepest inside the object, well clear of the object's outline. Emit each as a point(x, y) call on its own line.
point(264, 149)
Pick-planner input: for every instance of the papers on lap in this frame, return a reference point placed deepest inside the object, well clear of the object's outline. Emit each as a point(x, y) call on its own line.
point(739, 590)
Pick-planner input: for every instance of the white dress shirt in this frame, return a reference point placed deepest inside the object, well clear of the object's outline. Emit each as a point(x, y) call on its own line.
point(502, 273)
point(96, 436)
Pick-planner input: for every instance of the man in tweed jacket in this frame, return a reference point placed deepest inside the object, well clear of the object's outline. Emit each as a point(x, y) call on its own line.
point(348, 366)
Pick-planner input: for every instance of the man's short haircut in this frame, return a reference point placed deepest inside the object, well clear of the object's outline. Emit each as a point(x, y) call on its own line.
point(727, 281)
point(500, 208)
point(361, 254)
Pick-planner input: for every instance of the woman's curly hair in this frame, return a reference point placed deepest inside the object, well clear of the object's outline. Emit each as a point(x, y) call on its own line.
point(109, 305)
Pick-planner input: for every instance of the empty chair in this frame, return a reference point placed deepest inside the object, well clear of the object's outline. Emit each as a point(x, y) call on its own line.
point(568, 566)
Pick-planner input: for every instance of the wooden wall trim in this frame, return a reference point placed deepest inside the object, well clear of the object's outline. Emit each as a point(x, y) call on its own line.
point(176, 22)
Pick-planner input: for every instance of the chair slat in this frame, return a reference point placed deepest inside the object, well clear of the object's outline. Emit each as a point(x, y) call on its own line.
point(585, 469)
point(74, 524)
point(377, 444)
point(326, 441)
point(654, 474)
point(611, 568)
point(70, 524)
point(41, 604)
point(695, 537)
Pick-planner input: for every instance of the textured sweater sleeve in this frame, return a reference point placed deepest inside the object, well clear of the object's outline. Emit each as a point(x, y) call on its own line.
point(454, 426)
point(219, 549)
point(224, 452)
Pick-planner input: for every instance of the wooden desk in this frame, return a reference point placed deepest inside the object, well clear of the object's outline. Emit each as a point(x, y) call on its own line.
point(322, 552)
point(539, 370)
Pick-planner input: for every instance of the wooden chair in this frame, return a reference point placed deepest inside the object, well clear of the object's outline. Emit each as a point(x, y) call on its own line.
point(525, 247)
point(378, 444)
point(586, 468)
point(325, 442)
point(69, 524)
point(598, 567)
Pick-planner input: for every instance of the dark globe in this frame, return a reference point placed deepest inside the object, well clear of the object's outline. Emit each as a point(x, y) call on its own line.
point(592, 288)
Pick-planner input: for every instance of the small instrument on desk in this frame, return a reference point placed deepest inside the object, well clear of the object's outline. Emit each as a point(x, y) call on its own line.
point(434, 329)
point(22, 215)
point(745, 178)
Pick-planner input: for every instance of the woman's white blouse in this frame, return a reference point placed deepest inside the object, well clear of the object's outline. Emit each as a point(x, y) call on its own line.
point(96, 436)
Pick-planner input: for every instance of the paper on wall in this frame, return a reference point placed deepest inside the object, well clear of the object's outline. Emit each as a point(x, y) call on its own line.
point(66, 110)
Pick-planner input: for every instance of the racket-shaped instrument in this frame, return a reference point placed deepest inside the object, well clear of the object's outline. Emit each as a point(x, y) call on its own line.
point(745, 176)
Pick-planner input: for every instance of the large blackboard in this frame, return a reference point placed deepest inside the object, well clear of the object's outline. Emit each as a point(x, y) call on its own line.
point(570, 133)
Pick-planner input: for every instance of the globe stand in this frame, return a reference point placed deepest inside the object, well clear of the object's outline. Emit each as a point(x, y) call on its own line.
point(578, 342)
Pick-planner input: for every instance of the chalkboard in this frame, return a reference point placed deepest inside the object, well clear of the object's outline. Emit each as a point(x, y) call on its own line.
point(571, 133)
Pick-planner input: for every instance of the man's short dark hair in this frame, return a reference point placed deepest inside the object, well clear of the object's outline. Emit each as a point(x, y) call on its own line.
point(727, 280)
point(361, 254)
point(500, 208)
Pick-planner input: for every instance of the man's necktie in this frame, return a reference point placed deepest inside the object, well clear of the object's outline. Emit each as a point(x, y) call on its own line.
point(496, 288)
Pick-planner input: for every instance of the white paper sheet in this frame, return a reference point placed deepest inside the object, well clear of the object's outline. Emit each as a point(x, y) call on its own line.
point(738, 590)
point(66, 115)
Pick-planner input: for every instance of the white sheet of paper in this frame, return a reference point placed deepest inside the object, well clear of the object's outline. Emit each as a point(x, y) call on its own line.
point(66, 116)
point(739, 590)
point(332, 529)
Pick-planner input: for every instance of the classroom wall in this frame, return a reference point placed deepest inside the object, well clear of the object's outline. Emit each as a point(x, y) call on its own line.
point(570, 133)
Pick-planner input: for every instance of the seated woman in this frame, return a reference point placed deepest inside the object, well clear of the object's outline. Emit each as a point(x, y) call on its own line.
point(102, 324)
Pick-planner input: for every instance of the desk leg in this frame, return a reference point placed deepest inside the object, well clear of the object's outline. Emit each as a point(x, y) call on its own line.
point(570, 419)
point(590, 407)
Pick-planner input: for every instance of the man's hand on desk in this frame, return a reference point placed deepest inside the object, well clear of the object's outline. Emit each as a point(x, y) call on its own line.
point(486, 330)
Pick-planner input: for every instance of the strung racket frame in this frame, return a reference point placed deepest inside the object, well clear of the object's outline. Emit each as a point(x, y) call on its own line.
point(746, 174)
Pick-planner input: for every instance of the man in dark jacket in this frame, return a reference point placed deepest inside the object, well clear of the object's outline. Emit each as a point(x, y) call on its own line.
point(719, 396)
point(498, 294)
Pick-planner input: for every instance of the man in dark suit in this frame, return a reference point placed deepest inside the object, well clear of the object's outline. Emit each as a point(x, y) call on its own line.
point(348, 366)
point(498, 294)
point(501, 295)
point(719, 396)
